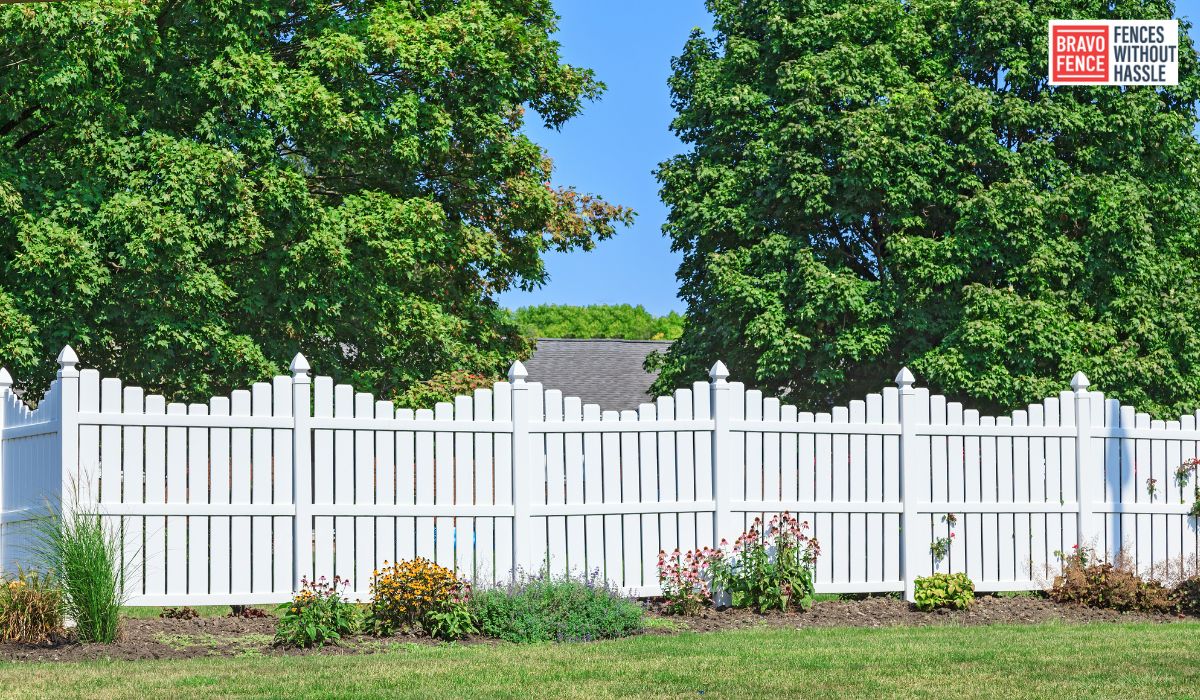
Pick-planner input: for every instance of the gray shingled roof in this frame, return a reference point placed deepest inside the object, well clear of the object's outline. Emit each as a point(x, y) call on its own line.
point(602, 371)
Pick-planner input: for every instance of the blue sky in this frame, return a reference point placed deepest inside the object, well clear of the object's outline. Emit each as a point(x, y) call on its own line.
point(613, 148)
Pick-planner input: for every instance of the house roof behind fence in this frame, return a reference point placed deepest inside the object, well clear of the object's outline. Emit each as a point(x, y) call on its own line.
point(601, 371)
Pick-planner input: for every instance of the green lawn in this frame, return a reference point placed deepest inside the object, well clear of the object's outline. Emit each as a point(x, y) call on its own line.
point(1036, 661)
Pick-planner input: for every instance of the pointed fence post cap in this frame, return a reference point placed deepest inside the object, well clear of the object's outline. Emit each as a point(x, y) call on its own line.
point(1080, 382)
point(905, 379)
point(67, 357)
point(5, 379)
point(299, 364)
point(719, 372)
point(517, 373)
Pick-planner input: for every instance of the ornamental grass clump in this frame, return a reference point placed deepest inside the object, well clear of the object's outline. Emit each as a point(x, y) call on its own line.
point(547, 608)
point(769, 568)
point(419, 593)
point(31, 608)
point(83, 552)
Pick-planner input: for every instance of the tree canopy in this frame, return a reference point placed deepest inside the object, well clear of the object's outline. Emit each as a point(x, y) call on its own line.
point(191, 192)
point(597, 321)
point(876, 183)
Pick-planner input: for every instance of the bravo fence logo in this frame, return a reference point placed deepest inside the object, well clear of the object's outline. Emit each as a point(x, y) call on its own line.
point(1114, 52)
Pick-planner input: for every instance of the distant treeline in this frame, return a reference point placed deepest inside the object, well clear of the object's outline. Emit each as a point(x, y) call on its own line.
point(597, 321)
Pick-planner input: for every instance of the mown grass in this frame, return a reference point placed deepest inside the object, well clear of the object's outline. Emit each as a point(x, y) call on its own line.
point(1034, 661)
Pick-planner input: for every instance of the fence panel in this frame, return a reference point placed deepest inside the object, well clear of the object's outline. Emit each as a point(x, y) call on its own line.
point(613, 488)
point(239, 498)
point(1143, 510)
point(29, 469)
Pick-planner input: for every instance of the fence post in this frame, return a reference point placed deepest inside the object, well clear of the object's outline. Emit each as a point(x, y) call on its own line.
point(1085, 484)
point(68, 427)
point(724, 476)
point(521, 471)
point(910, 538)
point(302, 559)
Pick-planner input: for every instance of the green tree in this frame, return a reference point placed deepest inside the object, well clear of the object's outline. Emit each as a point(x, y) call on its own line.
point(597, 321)
point(878, 183)
point(192, 191)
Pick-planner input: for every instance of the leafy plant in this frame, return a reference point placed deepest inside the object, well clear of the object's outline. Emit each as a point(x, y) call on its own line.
point(84, 553)
point(768, 568)
point(1088, 580)
point(1186, 595)
point(683, 577)
point(940, 546)
point(184, 613)
point(955, 591)
point(248, 612)
point(404, 594)
point(451, 620)
point(31, 607)
point(1183, 473)
point(546, 608)
point(317, 615)
point(1151, 487)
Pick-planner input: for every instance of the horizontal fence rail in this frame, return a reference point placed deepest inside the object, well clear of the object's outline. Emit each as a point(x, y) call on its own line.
point(237, 499)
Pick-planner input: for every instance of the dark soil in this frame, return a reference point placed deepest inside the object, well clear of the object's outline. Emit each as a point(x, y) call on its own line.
point(164, 638)
point(881, 611)
point(159, 638)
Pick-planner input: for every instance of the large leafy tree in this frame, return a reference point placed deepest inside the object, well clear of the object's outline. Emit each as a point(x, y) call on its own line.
point(874, 183)
point(192, 191)
point(597, 321)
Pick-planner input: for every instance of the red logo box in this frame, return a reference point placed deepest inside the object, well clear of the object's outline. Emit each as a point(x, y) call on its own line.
point(1079, 54)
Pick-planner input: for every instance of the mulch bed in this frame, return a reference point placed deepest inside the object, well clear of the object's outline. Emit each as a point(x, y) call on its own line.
point(230, 636)
point(881, 611)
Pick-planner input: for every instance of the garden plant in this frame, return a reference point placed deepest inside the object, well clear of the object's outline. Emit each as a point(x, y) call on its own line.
point(319, 614)
point(419, 593)
point(768, 568)
point(1090, 580)
point(31, 605)
point(549, 608)
point(955, 591)
point(683, 577)
point(84, 553)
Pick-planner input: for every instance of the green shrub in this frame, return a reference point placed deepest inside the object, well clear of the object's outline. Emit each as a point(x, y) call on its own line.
point(317, 615)
point(450, 621)
point(1187, 596)
point(31, 608)
point(769, 568)
point(944, 591)
point(405, 594)
point(84, 553)
point(1116, 584)
point(562, 609)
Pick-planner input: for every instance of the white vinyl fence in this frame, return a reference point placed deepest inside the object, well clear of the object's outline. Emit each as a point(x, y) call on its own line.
point(233, 501)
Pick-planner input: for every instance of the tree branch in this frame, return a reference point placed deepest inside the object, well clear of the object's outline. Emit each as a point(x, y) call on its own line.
point(27, 138)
